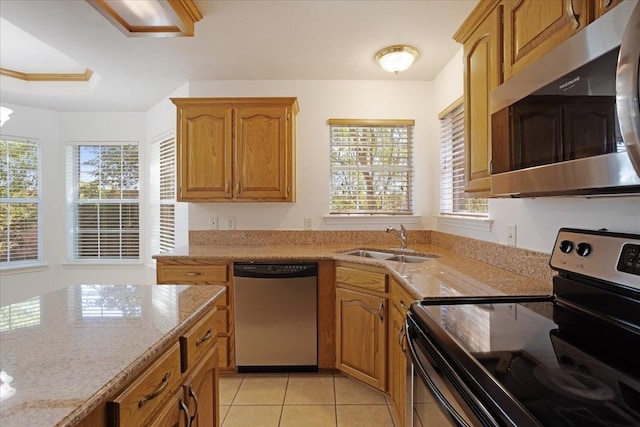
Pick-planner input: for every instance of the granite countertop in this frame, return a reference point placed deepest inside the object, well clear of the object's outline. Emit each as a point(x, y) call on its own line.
point(70, 349)
point(448, 274)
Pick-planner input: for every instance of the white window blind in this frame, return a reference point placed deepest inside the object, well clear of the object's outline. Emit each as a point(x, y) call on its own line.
point(104, 217)
point(19, 202)
point(371, 167)
point(163, 168)
point(453, 199)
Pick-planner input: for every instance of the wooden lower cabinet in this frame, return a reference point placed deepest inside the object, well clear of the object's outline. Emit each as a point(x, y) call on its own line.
point(206, 272)
point(397, 365)
point(174, 414)
point(361, 336)
point(201, 392)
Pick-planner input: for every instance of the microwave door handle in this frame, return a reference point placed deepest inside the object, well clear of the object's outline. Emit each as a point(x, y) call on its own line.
point(437, 394)
point(627, 88)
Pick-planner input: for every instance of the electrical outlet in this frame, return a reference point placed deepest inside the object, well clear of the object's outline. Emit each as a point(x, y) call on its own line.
point(213, 223)
point(511, 235)
point(308, 223)
point(230, 223)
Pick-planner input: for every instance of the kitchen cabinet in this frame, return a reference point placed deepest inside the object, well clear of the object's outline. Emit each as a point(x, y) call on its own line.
point(195, 272)
point(361, 323)
point(400, 300)
point(482, 54)
point(179, 388)
point(532, 28)
point(603, 6)
point(236, 149)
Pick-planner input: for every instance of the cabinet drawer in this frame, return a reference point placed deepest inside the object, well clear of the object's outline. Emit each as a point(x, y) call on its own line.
point(376, 281)
point(401, 298)
point(195, 342)
point(148, 392)
point(174, 273)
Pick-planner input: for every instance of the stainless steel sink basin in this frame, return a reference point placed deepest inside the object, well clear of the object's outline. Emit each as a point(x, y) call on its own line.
point(390, 256)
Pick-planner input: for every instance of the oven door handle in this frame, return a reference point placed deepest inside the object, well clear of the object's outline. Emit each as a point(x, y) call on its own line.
point(437, 394)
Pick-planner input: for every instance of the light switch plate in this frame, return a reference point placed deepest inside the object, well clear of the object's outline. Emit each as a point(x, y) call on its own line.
point(511, 235)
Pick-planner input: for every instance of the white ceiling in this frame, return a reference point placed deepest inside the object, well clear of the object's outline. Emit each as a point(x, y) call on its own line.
point(236, 40)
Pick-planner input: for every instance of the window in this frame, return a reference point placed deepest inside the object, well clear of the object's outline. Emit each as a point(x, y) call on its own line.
point(104, 211)
point(163, 179)
point(453, 199)
point(19, 202)
point(371, 166)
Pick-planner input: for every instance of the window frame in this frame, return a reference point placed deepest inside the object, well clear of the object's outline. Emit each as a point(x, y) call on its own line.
point(452, 165)
point(386, 125)
point(72, 176)
point(38, 260)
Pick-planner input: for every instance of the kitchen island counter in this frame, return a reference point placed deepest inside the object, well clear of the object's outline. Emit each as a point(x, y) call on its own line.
point(70, 350)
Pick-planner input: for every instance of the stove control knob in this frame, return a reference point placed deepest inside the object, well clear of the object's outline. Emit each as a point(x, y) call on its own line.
point(583, 249)
point(566, 246)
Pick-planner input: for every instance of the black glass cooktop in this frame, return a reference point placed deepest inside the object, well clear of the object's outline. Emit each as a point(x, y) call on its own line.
point(563, 366)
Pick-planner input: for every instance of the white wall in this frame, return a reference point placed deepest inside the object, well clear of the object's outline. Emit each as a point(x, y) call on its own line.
point(52, 130)
point(320, 101)
point(537, 220)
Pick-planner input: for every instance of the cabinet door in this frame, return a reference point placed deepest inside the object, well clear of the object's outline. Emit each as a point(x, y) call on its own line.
point(397, 366)
point(201, 392)
point(482, 59)
point(533, 27)
point(603, 6)
point(263, 154)
point(204, 153)
point(174, 414)
point(361, 342)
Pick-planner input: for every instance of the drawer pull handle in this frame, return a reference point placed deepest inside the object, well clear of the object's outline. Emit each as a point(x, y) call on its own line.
point(381, 312)
point(206, 337)
point(192, 395)
point(403, 305)
point(194, 273)
point(187, 418)
point(157, 392)
point(572, 15)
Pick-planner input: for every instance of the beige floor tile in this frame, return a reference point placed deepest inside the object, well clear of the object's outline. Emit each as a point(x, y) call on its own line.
point(308, 416)
point(262, 390)
point(223, 410)
point(351, 392)
point(310, 390)
point(431, 414)
point(229, 385)
point(253, 416)
point(363, 416)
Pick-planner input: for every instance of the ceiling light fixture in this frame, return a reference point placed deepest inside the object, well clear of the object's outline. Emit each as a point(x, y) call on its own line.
point(150, 18)
point(4, 115)
point(396, 58)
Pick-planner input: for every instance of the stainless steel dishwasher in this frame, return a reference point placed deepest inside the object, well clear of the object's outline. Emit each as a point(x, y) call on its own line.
point(276, 320)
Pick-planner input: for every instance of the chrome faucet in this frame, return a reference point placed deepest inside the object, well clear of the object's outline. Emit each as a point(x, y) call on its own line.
point(402, 233)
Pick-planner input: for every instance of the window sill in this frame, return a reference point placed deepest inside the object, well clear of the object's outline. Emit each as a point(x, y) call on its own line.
point(468, 222)
point(23, 268)
point(101, 264)
point(372, 219)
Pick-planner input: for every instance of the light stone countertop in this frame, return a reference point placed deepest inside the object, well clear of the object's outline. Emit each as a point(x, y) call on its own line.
point(449, 274)
point(70, 349)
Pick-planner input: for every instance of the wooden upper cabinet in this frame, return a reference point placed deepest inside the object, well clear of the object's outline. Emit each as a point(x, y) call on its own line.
point(533, 27)
point(262, 153)
point(236, 149)
point(603, 6)
point(204, 152)
point(481, 38)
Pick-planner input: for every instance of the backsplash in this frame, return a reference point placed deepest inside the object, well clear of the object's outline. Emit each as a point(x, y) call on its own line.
point(303, 237)
point(521, 261)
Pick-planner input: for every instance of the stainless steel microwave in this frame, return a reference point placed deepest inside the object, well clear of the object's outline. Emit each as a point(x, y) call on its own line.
point(569, 124)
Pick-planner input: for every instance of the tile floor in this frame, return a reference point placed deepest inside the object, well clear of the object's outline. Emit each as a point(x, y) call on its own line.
point(309, 400)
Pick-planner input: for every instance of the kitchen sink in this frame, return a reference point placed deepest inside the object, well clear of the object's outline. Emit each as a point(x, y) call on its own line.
point(390, 256)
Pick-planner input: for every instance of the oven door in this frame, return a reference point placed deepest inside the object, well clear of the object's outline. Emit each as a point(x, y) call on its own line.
point(439, 396)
